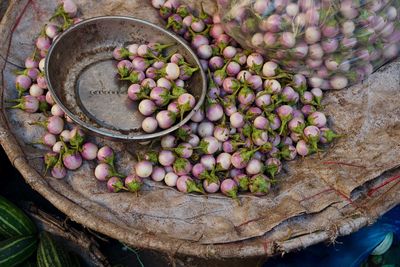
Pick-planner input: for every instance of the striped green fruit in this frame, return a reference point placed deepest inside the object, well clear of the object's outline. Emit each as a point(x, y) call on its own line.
point(13, 221)
point(50, 254)
point(15, 250)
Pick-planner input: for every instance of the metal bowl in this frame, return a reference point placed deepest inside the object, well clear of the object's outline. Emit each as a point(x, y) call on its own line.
point(82, 75)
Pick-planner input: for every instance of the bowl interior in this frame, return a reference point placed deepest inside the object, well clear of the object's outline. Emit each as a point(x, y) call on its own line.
point(83, 77)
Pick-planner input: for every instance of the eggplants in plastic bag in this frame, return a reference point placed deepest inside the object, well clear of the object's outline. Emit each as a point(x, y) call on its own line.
point(334, 43)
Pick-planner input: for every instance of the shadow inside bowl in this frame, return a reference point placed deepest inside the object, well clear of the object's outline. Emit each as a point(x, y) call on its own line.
point(82, 75)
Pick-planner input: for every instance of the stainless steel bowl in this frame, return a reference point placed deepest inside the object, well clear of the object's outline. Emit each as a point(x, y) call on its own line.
point(82, 76)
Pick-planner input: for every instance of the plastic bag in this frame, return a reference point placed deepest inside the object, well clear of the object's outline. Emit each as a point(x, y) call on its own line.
point(334, 43)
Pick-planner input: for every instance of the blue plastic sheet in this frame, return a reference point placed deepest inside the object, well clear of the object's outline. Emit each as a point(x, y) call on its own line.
point(349, 250)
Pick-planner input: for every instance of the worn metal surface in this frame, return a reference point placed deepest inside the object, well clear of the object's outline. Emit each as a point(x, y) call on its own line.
point(82, 75)
point(316, 198)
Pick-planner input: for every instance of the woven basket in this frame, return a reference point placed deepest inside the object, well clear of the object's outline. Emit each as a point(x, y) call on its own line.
point(317, 199)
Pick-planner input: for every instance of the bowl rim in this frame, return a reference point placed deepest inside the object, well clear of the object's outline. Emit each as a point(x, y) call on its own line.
point(108, 134)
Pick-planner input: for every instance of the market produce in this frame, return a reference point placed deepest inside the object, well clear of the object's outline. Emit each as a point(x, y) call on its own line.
point(157, 81)
point(67, 146)
point(333, 43)
point(255, 115)
point(15, 250)
point(13, 221)
point(50, 253)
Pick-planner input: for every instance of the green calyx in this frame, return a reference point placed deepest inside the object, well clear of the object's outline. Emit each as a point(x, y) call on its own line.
point(232, 193)
point(183, 109)
point(20, 90)
point(67, 151)
point(281, 75)
point(43, 106)
point(256, 68)
point(20, 106)
point(236, 85)
point(118, 186)
point(113, 172)
point(60, 12)
point(143, 93)
point(331, 23)
point(276, 100)
point(165, 10)
point(203, 15)
point(172, 116)
point(285, 152)
point(166, 98)
point(77, 141)
point(248, 130)
point(152, 156)
point(352, 76)
point(183, 11)
point(244, 183)
point(284, 122)
point(179, 150)
point(299, 128)
point(110, 161)
point(363, 35)
point(203, 146)
point(178, 91)
point(266, 147)
point(236, 144)
point(188, 70)
point(59, 163)
point(180, 164)
point(256, 133)
point(236, 58)
point(259, 185)
point(39, 123)
point(272, 169)
point(161, 47)
point(329, 135)
point(248, 154)
point(313, 145)
point(211, 177)
point(133, 77)
point(134, 186)
point(220, 73)
point(193, 187)
point(245, 91)
point(227, 101)
point(211, 82)
point(216, 50)
point(236, 137)
point(205, 32)
point(221, 46)
point(123, 72)
point(251, 24)
point(125, 52)
point(317, 101)
point(172, 23)
point(21, 72)
point(364, 14)
point(50, 161)
point(300, 89)
point(204, 175)
point(195, 157)
point(182, 134)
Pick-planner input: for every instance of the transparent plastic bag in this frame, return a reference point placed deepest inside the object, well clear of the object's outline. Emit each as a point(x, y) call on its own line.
point(334, 43)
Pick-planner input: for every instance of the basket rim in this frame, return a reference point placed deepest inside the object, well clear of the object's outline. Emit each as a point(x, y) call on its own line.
point(255, 247)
